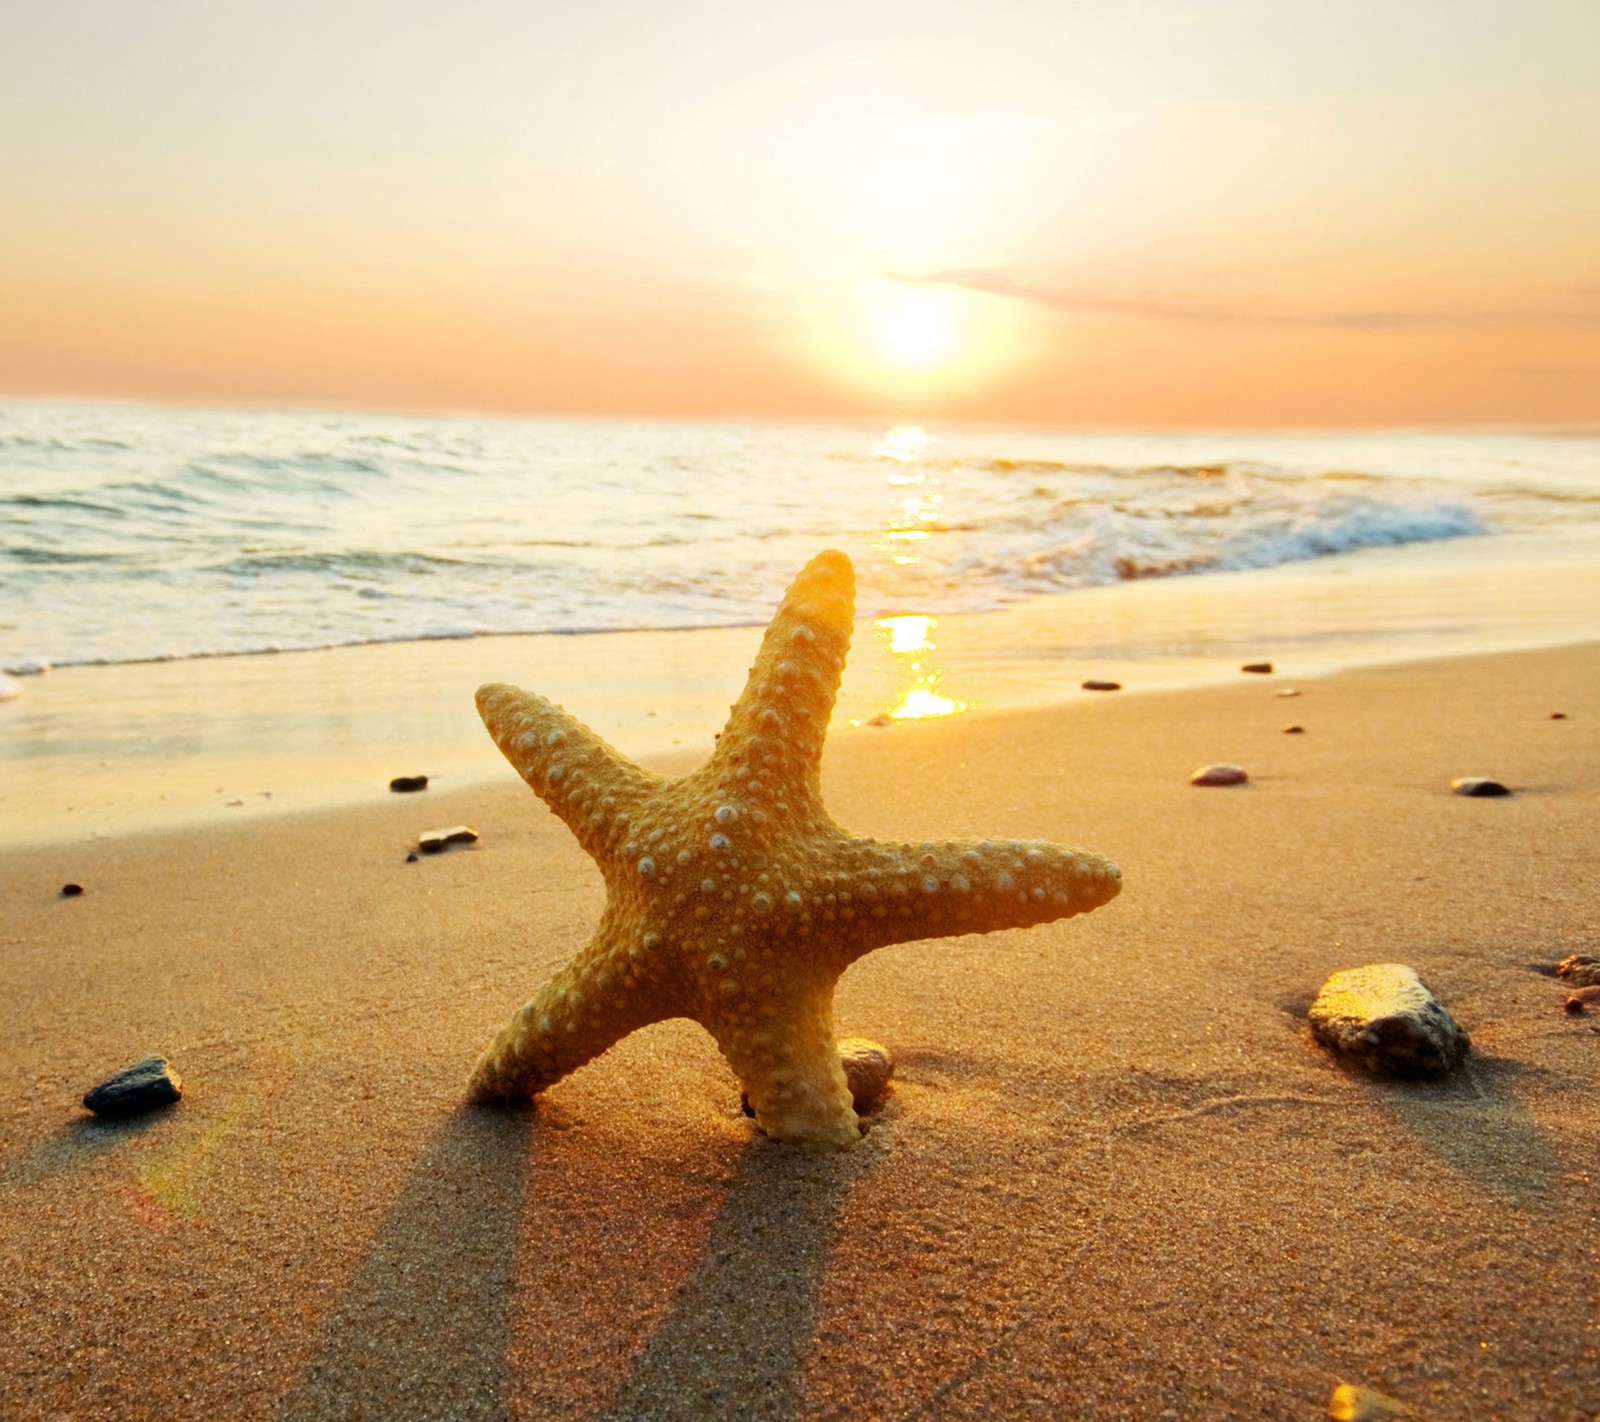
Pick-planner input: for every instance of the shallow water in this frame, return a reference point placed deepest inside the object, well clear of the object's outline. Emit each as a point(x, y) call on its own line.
point(132, 533)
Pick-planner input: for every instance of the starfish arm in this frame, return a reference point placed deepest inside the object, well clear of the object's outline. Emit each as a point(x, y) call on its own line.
point(789, 1066)
point(881, 893)
point(592, 786)
point(602, 995)
point(771, 749)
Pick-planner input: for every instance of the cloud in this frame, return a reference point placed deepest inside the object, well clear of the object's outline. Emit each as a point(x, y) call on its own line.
point(997, 281)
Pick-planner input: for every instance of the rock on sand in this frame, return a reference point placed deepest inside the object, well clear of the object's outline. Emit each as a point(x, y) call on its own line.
point(136, 1089)
point(1385, 1017)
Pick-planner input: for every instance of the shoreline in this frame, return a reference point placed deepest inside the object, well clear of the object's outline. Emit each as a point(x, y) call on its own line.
point(1115, 1176)
point(92, 751)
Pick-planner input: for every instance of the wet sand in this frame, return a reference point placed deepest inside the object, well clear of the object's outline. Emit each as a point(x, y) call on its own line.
point(1115, 1177)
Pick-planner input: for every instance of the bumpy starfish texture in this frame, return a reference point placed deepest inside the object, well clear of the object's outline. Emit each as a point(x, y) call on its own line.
point(731, 896)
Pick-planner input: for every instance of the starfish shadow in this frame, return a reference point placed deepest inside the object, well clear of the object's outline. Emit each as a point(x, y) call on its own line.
point(422, 1329)
point(735, 1341)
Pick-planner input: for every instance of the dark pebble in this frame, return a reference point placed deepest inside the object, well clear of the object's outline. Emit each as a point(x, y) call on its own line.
point(434, 841)
point(142, 1087)
point(1093, 685)
point(1479, 786)
point(411, 858)
point(1259, 668)
point(71, 891)
point(1558, 715)
point(404, 783)
point(1294, 730)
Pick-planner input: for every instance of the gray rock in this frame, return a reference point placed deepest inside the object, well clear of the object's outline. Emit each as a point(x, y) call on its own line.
point(142, 1087)
point(1219, 775)
point(1478, 785)
point(1579, 970)
point(1385, 1017)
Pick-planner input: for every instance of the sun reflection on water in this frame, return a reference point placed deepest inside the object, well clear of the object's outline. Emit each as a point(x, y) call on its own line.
point(910, 639)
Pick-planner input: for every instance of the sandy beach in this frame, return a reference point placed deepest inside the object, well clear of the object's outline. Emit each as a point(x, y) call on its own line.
point(1115, 1178)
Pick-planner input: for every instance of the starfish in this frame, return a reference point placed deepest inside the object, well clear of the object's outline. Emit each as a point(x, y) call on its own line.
point(731, 896)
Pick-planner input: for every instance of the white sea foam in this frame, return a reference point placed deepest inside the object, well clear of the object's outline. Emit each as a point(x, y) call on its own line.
point(128, 533)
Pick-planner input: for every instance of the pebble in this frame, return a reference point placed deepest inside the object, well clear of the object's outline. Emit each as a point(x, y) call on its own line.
point(1384, 1016)
point(1580, 970)
point(71, 891)
point(868, 1065)
point(881, 719)
point(1583, 999)
point(1288, 691)
point(412, 857)
point(1478, 785)
point(1363, 1404)
point(434, 841)
point(1294, 730)
point(1219, 775)
point(1259, 668)
point(1093, 685)
point(404, 784)
point(1558, 715)
point(29, 666)
point(142, 1087)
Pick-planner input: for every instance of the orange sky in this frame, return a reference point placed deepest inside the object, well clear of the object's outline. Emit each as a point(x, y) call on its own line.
point(1155, 214)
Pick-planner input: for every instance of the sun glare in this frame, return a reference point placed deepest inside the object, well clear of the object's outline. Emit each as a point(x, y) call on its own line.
point(917, 332)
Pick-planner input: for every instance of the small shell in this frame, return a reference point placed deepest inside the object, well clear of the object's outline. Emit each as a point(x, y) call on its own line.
point(867, 1067)
point(1219, 775)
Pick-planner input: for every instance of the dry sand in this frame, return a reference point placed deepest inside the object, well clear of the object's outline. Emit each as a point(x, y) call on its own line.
point(1115, 1178)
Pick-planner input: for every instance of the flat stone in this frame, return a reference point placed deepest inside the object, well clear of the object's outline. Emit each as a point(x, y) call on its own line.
point(1219, 775)
point(1093, 685)
point(1579, 970)
point(1364, 1404)
point(1558, 715)
point(1294, 730)
point(1478, 785)
point(144, 1086)
point(406, 784)
point(1385, 1017)
point(435, 841)
point(1258, 668)
point(71, 891)
point(1584, 999)
point(1288, 691)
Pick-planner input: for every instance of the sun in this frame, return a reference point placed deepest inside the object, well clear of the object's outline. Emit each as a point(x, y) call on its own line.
point(917, 332)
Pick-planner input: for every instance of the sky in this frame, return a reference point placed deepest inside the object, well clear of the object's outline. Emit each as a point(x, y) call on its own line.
point(1144, 214)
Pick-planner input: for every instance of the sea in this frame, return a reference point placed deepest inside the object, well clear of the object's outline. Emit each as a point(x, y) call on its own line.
point(138, 532)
